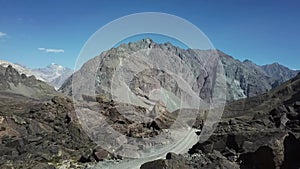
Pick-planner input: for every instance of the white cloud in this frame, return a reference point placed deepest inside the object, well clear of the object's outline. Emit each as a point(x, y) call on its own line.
point(55, 51)
point(51, 50)
point(2, 34)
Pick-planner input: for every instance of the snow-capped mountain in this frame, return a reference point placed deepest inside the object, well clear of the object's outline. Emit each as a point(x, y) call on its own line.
point(53, 74)
point(21, 69)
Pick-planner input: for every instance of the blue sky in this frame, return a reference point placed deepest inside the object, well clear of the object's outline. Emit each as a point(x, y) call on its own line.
point(36, 33)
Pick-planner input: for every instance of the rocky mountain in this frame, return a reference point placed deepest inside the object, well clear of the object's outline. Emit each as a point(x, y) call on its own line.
point(137, 89)
point(149, 71)
point(243, 79)
point(53, 74)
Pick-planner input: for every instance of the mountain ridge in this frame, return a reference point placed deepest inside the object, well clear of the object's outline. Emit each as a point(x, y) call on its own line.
point(244, 79)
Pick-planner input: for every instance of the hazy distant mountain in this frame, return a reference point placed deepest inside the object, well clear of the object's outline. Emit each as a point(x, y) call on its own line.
point(53, 74)
point(244, 79)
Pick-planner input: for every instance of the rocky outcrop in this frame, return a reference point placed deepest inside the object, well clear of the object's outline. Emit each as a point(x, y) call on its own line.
point(245, 143)
point(35, 134)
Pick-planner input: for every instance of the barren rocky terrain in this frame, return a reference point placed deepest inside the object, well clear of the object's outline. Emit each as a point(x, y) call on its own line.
point(259, 128)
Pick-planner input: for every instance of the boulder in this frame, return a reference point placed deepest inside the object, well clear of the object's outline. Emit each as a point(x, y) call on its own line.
point(173, 161)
